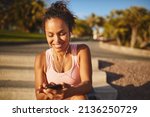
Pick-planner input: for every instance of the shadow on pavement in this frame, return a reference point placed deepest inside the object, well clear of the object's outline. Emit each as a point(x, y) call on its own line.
point(102, 64)
point(131, 92)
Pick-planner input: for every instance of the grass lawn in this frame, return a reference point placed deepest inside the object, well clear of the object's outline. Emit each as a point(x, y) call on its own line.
point(16, 36)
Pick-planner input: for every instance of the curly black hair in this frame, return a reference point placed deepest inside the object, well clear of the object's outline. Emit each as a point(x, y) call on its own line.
point(59, 10)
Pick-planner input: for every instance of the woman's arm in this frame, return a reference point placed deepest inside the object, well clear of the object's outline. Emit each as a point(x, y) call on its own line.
point(84, 59)
point(40, 78)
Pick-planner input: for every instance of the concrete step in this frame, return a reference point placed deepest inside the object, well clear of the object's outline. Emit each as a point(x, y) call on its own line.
point(17, 60)
point(20, 68)
point(16, 73)
point(28, 61)
point(103, 90)
point(10, 93)
point(99, 78)
point(24, 74)
point(19, 93)
point(95, 63)
point(17, 90)
point(24, 87)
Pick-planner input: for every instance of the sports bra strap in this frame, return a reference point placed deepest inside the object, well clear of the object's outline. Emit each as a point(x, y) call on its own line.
point(74, 49)
point(74, 53)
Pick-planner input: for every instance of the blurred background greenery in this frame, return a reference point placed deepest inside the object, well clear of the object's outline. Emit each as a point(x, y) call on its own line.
point(22, 21)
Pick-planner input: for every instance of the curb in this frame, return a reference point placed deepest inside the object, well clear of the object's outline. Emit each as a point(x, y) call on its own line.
point(125, 50)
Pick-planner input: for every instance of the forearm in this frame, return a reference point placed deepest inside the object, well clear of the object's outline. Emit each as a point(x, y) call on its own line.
point(81, 89)
point(41, 96)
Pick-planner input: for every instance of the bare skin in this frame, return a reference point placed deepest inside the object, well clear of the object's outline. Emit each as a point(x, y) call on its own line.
point(58, 36)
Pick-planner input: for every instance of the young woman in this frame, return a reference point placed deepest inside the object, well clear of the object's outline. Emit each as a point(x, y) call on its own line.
point(64, 64)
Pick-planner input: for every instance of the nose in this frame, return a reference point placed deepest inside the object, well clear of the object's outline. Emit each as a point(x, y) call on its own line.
point(57, 38)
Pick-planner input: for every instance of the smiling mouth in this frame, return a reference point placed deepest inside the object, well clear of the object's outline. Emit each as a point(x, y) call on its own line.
point(58, 45)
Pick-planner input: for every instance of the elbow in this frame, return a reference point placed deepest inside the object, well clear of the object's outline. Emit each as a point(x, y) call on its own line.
point(89, 86)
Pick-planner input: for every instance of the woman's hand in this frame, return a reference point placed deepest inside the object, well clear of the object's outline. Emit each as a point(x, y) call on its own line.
point(58, 94)
point(54, 94)
point(44, 90)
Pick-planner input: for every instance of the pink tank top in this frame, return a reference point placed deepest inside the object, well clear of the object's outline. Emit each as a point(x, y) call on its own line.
point(71, 76)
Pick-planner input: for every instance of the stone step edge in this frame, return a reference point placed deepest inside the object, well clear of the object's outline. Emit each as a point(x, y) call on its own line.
point(17, 94)
point(106, 92)
point(28, 75)
point(103, 90)
point(28, 93)
point(28, 61)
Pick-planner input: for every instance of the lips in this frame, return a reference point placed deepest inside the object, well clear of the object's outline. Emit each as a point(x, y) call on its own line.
point(58, 45)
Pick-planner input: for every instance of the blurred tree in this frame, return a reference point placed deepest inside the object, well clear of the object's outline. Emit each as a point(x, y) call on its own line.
point(82, 29)
point(17, 14)
point(95, 22)
point(135, 17)
point(143, 38)
point(128, 26)
point(115, 29)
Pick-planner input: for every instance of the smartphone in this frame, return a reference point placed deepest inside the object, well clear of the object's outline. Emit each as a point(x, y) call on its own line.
point(56, 87)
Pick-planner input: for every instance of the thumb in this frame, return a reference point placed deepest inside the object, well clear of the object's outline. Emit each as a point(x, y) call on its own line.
point(65, 85)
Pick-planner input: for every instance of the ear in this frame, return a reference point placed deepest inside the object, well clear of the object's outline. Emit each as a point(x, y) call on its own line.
point(70, 34)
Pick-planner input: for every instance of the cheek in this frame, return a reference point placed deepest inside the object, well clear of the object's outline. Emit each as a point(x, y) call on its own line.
point(49, 41)
point(67, 38)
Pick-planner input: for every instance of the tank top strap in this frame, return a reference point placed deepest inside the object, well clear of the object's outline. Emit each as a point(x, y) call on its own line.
point(74, 49)
point(48, 58)
point(74, 53)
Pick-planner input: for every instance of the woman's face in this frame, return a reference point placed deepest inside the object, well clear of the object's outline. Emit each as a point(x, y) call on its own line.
point(57, 34)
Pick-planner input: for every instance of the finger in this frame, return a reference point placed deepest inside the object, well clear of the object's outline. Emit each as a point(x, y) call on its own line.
point(44, 85)
point(65, 85)
point(54, 91)
point(48, 93)
point(58, 97)
point(51, 96)
point(47, 90)
point(40, 89)
point(52, 83)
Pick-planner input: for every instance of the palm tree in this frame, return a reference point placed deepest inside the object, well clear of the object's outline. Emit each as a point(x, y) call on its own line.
point(134, 17)
point(115, 29)
point(128, 25)
point(81, 29)
point(95, 22)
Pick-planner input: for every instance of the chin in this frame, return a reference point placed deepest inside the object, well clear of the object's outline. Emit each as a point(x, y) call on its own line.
point(58, 49)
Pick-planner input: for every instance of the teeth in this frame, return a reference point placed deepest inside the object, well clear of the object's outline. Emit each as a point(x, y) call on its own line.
point(58, 45)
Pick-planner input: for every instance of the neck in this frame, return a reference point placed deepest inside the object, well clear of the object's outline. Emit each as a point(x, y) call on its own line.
point(59, 59)
point(61, 53)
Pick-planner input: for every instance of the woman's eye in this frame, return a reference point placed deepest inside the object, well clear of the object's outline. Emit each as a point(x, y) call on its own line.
point(62, 33)
point(50, 35)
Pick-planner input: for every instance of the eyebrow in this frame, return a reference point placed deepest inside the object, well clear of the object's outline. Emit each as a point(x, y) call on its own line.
point(57, 32)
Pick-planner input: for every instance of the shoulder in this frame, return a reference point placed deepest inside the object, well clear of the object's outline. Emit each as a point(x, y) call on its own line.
point(40, 59)
point(82, 48)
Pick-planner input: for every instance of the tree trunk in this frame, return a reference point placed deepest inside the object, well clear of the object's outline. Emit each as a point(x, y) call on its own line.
point(118, 41)
point(133, 37)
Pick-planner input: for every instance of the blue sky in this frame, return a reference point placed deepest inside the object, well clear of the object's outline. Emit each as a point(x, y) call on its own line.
point(83, 8)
